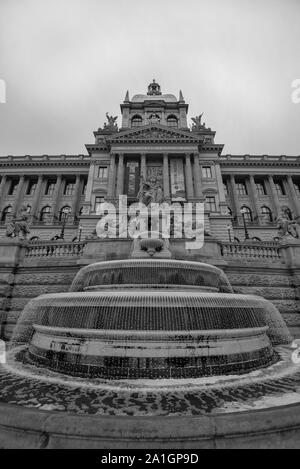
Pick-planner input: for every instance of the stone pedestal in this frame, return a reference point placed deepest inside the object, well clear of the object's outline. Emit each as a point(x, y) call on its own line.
point(12, 251)
point(210, 251)
point(97, 250)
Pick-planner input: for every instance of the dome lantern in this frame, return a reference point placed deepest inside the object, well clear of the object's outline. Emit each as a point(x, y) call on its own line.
point(154, 88)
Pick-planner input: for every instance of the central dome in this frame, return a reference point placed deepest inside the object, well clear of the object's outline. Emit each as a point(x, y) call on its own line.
point(154, 94)
point(140, 98)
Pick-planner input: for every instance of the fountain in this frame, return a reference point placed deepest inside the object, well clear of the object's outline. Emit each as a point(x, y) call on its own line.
point(150, 317)
point(150, 352)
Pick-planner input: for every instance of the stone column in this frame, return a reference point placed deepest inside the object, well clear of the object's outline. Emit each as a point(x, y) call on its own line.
point(166, 176)
point(143, 166)
point(36, 197)
point(111, 177)
point(294, 197)
point(235, 199)
point(77, 196)
point(2, 185)
point(120, 180)
point(274, 194)
point(197, 177)
point(56, 197)
point(254, 198)
point(18, 196)
point(188, 177)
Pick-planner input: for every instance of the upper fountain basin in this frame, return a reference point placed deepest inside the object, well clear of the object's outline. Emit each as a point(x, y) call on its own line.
point(151, 273)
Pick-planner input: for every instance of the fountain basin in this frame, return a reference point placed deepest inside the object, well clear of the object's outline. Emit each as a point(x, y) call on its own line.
point(147, 334)
point(112, 354)
point(151, 273)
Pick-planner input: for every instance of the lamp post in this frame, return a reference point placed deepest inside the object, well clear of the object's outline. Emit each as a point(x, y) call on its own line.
point(65, 213)
point(229, 233)
point(243, 211)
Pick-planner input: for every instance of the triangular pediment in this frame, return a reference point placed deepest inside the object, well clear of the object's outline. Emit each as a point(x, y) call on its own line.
point(154, 134)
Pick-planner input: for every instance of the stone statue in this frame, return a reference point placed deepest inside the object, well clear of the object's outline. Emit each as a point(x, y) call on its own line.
point(145, 247)
point(287, 226)
point(111, 123)
point(154, 119)
point(197, 125)
point(19, 224)
point(150, 191)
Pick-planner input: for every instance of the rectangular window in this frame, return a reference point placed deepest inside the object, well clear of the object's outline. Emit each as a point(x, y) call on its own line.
point(50, 187)
point(102, 172)
point(98, 202)
point(260, 187)
point(206, 172)
point(13, 186)
point(241, 188)
point(31, 187)
point(279, 188)
point(69, 188)
point(210, 204)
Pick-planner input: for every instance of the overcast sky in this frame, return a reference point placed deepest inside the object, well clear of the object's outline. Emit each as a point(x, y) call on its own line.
point(67, 62)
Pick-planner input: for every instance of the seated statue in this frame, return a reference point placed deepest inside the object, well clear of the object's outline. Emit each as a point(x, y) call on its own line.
point(18, 226)
point(150, 191)
point(287, 226)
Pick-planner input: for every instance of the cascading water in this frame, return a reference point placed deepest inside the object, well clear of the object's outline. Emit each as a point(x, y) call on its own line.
point(150, 318)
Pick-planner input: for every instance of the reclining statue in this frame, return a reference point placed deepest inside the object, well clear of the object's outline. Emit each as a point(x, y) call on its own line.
point(287, 226)
point(18, 226)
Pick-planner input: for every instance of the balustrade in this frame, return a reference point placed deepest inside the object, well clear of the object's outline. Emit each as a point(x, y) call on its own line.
point(261, 250)
point(55, 249)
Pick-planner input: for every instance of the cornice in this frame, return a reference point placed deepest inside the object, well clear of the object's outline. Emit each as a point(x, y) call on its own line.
point(44, 161)
point(259, 160)
point(154, 133)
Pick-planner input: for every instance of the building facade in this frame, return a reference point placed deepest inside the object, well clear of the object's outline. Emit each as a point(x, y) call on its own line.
point(153, 141)
point(243, 196)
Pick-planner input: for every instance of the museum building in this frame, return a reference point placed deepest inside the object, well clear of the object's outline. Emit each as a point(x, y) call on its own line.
point(154, 141)
point(243, 195)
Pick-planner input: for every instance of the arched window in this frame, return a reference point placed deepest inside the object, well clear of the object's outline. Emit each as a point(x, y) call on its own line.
point(64, 211)
point(267, 213)
point(28, 209)
point(34, 238)
point(172, 121)
point(45, 213)
point(136, 121)
point(247, 213)
point(6, 211)
point(255, 238)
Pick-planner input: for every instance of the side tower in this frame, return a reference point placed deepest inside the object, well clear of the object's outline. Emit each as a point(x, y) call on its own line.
point(155, 142)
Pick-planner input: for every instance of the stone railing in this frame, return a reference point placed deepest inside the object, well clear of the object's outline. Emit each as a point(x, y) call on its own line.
point(255, 251)
point(55, 249)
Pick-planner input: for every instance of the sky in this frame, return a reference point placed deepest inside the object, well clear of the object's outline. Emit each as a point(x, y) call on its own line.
point(65, 63)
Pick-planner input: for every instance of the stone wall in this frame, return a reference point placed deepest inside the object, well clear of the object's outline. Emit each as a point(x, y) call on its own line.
point(31, 282)
point(280, 286)
point(23, 278)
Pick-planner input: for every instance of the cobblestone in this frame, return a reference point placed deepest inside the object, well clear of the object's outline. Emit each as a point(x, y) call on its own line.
point(185, 397)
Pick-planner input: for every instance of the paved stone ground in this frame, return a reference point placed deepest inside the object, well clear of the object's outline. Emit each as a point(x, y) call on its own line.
point(28, 386)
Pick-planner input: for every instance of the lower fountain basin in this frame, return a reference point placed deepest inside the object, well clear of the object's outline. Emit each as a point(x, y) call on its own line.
point(145, 354)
